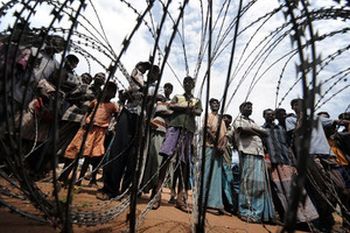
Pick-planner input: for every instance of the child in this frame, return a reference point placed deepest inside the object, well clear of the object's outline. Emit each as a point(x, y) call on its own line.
point(94, 145)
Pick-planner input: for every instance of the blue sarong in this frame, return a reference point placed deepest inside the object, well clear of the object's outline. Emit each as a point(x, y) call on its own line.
point(255, 200)
point(215, 187)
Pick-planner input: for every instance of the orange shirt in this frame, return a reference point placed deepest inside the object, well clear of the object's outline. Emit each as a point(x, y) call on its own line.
point(103, 114)
point(340, 157)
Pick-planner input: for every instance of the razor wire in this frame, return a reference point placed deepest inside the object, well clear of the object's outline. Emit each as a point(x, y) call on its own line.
point(298, 17)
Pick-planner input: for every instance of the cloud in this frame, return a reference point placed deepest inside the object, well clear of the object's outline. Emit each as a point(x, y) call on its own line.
point(118, 21)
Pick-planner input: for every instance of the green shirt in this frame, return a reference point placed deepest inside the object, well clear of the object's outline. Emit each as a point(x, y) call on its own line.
point(185, 120)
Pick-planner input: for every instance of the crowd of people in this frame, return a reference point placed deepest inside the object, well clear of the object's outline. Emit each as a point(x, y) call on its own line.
point(249, 169)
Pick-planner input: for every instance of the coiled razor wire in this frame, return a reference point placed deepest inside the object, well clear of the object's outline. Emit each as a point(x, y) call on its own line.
point(218, 31)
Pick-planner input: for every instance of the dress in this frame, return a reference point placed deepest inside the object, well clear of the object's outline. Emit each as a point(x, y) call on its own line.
point(94, 144)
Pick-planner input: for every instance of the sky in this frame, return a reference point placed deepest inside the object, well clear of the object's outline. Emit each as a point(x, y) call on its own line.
point(260, 55)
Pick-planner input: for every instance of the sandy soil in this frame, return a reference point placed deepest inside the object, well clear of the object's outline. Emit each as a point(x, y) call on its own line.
point(166, 219)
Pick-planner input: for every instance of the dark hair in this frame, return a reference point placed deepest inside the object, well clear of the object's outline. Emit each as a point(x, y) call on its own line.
point(188, 78)
point(279, 110)
point(86, 74)
point(213, 100)
point(344, 116)
point(169, 85)
point(227, 116)
point(266, 110)
point(145, 64)
point(72, 58)
point(104, 76)
point(323, 113)
point(111, 87)
point(243, 105)
point(294, 101)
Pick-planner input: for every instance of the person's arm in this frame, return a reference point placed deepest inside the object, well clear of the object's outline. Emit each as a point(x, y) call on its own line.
point(197, 109)
point(251, 131)
point(176, 107)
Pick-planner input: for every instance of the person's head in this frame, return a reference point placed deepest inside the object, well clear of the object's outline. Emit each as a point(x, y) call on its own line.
point(280, 114)
point(323, 114)
point(122, 97)
point(168, 89)
point(71, 62)
point(99, 79)
point(214, 105)
point(246, 108)
point(110, 90)
point(227, 118)
point(86, 78)
point(56, 44)
point(344, 116)
point(269, 115)
point(153, 74)
point(188, 84)
point(143, 66)
point(297, 105)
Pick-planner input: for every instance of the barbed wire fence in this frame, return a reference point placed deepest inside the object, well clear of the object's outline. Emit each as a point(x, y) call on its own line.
point(220, 32)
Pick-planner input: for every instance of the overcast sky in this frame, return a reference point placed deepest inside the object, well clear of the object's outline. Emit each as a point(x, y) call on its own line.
point(118, 20)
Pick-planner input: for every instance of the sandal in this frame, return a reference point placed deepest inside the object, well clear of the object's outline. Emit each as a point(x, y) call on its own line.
point(102, 196)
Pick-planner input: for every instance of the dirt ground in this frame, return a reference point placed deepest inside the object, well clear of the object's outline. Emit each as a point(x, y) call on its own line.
point(166, 219)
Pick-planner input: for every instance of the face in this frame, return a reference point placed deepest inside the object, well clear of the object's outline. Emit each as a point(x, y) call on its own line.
point(247, 110)
point(71, 64)
point(281, 115)
point(57, 43)
point(297, 106)
point(99, 79)
point(168, 90)
point(269, 116)
point(110, 94)
point(86, 79)
point(141, 68)
point(153, 76)
point(188, 85)
point(214, 106)
point(227, 120)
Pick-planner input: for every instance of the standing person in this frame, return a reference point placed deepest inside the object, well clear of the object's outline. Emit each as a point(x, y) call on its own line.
point(93, 149)
point(67, 76)
point(255, 201)
point(96, 86)
point(282, 170)
point(79, 100)
point(158, 129)
point(215, 156)
point(281, 115)
point(178, 140)
point(123, 152)
point(36, 125)
point(321, 173)
point(230, 183)
point(48, 64)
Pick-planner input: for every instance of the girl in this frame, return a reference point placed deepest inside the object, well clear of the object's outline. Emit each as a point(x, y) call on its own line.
point(93, 149)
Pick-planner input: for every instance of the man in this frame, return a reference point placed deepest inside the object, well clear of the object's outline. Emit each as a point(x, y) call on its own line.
point(214, 154)
point(255, 202)
point(178, 141)
point(230, 171)
point(48, 63)
point(282, 171)
point(168, 89)
point(123, 154)
point(322, 177)
point(158, 129)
